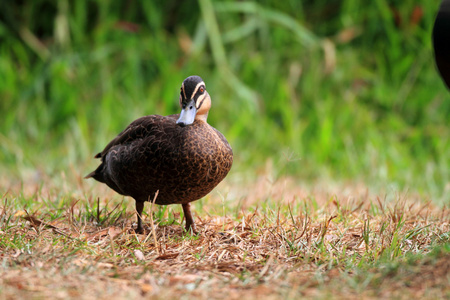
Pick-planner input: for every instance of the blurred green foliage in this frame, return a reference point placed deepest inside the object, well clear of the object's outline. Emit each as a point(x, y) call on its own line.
point(323, 89)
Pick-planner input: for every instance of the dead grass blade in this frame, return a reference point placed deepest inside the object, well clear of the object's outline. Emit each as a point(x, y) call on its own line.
point(38, 223)
point(152, 224)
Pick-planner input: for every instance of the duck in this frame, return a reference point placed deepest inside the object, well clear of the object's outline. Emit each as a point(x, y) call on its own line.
point(441, 41)
point(177, 158)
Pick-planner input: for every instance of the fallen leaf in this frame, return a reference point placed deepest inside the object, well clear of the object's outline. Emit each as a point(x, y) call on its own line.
point(20, 213)
point(114, 231)
point(145, 288)
point(139, 255)
point(187, 278)
point(98, 233)
point(168, 256)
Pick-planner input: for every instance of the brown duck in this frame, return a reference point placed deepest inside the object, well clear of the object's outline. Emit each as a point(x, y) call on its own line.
point(180, 156)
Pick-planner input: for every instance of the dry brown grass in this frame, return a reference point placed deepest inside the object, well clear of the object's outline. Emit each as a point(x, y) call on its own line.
point(274, 240)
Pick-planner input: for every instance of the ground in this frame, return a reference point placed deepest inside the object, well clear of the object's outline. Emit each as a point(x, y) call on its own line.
point(267, 239)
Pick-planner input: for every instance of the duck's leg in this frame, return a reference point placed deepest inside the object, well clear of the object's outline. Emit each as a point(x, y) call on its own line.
point(139, 209)
point(190, 225)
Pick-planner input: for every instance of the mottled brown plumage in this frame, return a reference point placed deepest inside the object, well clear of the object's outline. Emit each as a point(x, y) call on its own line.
point(183, 160)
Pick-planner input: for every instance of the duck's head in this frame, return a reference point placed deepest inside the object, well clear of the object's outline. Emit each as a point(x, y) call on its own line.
point(194, 101)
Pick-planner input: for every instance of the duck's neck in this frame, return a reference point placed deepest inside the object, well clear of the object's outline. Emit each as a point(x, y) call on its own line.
point(202, 117)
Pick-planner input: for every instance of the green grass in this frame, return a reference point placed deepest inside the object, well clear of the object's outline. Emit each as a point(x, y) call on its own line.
point(324, 91)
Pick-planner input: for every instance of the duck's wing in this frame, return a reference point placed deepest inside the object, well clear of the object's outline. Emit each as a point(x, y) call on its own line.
point(138, 129)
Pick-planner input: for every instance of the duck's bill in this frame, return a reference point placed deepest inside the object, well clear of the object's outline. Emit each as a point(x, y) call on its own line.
point(187, 115)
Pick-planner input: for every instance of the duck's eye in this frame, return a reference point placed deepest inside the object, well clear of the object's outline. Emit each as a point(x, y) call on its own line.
point(202, 90)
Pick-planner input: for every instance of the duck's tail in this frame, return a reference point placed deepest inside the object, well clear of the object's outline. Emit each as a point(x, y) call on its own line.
point(102, 175)
point(90, 175)
point(97, 174)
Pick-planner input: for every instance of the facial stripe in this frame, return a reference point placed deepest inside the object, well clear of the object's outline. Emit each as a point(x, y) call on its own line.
point(199, 103)
point(184, 91)
point(196, 89)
